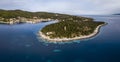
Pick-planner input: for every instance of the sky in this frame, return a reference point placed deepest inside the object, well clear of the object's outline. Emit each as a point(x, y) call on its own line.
point(76, 7)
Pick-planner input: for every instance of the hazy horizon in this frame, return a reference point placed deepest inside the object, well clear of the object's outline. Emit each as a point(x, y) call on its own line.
point(75, 7)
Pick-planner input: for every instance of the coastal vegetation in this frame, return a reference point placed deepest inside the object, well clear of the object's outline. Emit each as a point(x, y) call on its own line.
point(16, 16)
point(68, 26)
point(70, 29)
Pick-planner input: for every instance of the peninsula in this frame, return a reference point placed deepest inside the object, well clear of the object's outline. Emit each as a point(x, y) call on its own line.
point(70, 30)
point(68, 27)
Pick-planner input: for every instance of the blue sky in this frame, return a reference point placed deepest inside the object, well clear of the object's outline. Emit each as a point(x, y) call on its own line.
point(82, 7)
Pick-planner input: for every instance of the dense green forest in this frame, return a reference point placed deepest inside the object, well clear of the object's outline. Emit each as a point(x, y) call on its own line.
point(7, 14)
point(70, 28)
point(68, 25)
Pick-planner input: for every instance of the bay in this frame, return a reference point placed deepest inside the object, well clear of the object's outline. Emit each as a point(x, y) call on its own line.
point(20, 43)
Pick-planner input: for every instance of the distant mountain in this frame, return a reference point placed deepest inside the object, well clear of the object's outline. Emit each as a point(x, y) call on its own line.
point(117, 14)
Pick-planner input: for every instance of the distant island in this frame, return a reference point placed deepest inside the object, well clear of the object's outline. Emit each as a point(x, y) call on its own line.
point(117, 14)
point(68, 27)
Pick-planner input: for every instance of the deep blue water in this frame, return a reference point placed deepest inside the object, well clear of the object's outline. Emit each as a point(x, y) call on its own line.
point(20, 43)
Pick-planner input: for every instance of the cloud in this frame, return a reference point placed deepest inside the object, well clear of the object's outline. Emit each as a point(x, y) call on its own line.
point(64, 6)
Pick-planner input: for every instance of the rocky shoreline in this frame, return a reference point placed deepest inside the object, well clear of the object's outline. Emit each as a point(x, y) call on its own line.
point(68, 39)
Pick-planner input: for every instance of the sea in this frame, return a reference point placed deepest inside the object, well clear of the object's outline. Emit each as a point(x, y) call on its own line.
point(21, 43)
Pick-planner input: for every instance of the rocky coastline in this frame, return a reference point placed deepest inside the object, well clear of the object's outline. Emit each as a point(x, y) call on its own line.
point(54, 40)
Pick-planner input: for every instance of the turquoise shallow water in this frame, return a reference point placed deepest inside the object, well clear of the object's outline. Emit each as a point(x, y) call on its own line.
point(19, 43)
